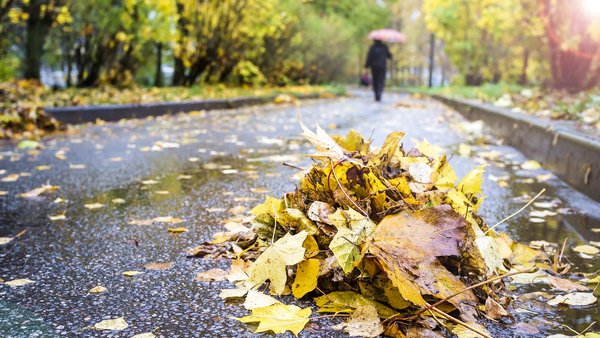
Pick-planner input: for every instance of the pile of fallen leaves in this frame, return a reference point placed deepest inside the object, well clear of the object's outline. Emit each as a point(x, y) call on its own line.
point(383, 237)
point(22, 113)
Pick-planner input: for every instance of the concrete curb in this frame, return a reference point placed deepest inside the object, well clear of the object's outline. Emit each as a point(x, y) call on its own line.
point(573, 157)
point(84, 114)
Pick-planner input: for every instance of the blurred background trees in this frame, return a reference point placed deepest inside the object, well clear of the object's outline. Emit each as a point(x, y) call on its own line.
point(183, 42)
point(87, 43)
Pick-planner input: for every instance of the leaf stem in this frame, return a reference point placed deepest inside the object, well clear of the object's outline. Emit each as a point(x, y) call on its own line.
point(460, 322)
point(517, 212)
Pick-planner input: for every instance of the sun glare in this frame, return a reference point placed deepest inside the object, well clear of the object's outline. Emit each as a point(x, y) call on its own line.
point(592, 7)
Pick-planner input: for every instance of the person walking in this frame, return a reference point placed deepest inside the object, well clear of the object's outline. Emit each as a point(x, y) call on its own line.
point(376, 60)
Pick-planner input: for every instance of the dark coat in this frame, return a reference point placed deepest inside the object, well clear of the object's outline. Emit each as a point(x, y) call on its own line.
point(378, 55)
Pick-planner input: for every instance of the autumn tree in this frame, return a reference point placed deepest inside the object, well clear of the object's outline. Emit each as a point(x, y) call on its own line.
point(487, 40)
point(40, 17)
point(5, 7)
point(574, 42)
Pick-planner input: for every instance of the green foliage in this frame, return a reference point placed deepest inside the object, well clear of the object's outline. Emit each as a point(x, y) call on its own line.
point(9, 66)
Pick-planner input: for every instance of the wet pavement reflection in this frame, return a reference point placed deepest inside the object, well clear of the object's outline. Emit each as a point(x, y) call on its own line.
point(203, 168)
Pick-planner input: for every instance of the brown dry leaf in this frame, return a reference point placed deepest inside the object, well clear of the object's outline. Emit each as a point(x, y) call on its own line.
point(363, 322)
point(238, 270)
point(42, 167)
point(167, 219)
point(158, 266)
point(213, 275)
point(494, 310)
point(407, 244)
point(563, 284)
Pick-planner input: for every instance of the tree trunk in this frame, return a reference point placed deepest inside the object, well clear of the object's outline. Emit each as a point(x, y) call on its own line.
point(36, 32)
point(69, 69)
point(523, 78)
point(158, 76)
point(178, 73)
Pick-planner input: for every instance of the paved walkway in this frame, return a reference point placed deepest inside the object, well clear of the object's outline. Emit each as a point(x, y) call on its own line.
point(196, 167)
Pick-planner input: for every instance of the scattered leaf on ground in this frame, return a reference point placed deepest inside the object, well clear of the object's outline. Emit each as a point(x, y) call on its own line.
point(98, 289)
point(563, 284)
point(5, 240)
point(586, 249)
point(233, 293)
point(531, 165)
point(10, 178)
point(116, 324)
point(131, 273)
point(177, 230)
point(574, 299)
point(93, 206)
point(158, 265)
point(256, 299)
point(19, 282)
point(38, 191)
point(278, 318)
point(211, 275)
point(363, 322)
point(58, 217)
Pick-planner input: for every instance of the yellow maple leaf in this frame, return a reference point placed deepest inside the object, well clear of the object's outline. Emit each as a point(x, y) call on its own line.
point(471, 183)
point(306, 277)
point(278, 318)
point(270, 265)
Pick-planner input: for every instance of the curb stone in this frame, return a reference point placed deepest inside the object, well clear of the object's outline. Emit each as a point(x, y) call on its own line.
point(111, 113)
point(573, 157)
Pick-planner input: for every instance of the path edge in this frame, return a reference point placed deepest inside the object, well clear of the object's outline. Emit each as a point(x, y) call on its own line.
point(573, 157)
point(112, 113)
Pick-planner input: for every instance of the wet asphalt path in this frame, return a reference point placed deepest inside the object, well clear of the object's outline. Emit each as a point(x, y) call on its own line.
point(223, 156)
